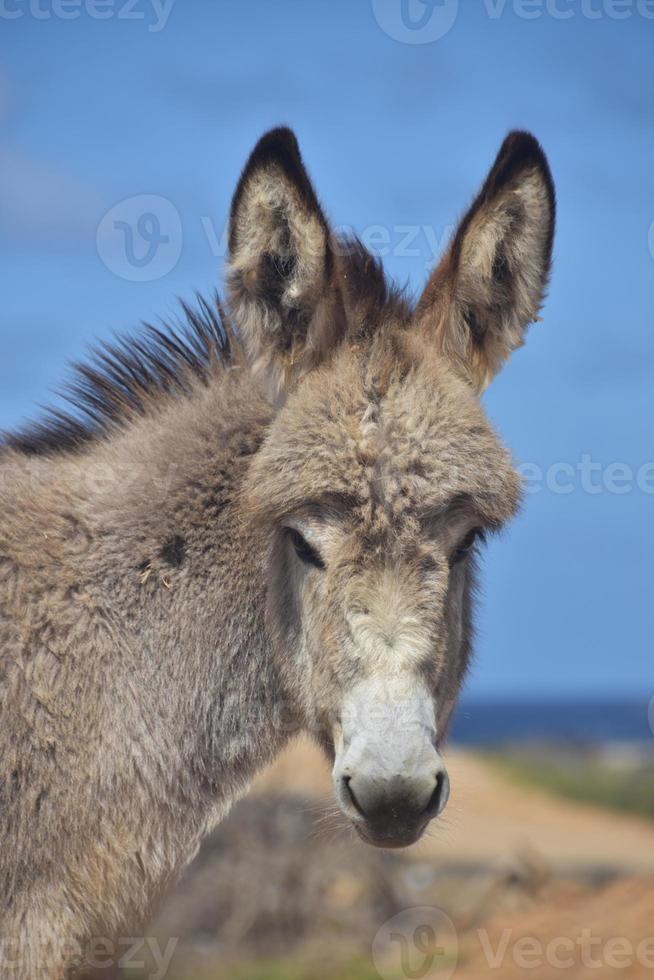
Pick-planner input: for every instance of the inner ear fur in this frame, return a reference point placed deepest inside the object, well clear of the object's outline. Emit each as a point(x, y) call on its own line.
point(281, 270)
point(491, 282)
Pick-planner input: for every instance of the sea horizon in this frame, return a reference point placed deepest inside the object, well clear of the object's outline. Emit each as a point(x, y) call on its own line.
point(582, 720)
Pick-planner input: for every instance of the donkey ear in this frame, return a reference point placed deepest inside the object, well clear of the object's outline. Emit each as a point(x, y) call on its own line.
point(491, 282)
point(281, 279)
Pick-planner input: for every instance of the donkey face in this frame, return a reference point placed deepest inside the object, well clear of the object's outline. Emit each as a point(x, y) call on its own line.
point(379, 473)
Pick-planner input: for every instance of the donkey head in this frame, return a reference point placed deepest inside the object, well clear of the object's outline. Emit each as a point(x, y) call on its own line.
point(379, 474)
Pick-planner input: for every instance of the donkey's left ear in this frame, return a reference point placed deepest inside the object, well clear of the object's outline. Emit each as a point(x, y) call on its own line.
point(491, 282)
point(281, 276)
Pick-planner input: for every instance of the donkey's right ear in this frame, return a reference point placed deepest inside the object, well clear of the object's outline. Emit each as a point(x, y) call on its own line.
point(281, 281)
point(491, 282)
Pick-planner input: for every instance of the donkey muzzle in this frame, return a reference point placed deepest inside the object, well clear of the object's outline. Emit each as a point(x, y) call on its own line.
point(389, 778)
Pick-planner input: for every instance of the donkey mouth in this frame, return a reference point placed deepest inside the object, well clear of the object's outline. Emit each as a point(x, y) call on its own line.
point(392, 812)
point(392, 837)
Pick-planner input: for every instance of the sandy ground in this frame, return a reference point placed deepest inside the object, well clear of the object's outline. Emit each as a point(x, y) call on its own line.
point(608, 933)
point(491, 820)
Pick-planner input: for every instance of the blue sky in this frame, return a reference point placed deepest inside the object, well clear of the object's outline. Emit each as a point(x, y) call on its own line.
point(167, 100)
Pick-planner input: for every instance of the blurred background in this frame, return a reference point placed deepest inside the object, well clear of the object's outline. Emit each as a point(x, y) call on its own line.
point(124, 125)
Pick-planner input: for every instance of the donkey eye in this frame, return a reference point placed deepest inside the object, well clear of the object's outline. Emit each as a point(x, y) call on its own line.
point(304, 551)
point(466, 545)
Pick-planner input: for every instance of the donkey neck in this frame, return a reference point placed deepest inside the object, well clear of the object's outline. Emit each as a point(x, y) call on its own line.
point(149, 521)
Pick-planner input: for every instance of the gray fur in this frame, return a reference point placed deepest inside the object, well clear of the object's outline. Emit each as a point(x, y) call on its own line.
point(160, 639)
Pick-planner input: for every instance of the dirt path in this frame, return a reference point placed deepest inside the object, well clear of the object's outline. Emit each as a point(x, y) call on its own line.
point(491, 820)
point(576, 936)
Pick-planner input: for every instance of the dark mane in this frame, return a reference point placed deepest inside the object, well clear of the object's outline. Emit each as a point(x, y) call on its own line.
point(120, 379)
point(369, 293)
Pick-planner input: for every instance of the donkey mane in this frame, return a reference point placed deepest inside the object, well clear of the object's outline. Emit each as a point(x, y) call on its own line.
point(121, 379)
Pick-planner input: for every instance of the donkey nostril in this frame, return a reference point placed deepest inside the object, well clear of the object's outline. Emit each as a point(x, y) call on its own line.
point(440, 795)
point(347, 783)
point(401, 798)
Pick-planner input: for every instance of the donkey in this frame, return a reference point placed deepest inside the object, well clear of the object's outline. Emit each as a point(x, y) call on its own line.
point(260, 522)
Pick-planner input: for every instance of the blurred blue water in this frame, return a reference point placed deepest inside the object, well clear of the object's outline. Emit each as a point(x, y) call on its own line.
point(483, 723)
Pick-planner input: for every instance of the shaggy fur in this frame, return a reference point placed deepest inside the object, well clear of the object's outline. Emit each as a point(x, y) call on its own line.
point(161, 635)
